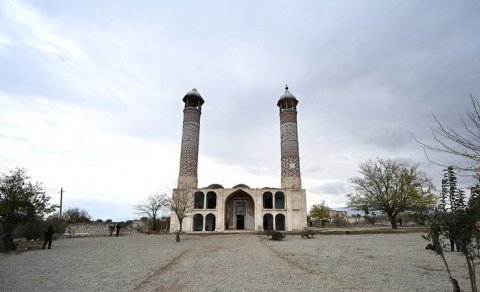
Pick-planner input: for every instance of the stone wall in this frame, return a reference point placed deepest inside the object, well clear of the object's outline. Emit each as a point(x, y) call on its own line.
point(94, 229)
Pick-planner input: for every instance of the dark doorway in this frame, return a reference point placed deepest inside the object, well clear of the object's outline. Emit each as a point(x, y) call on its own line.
point(210, 222)
point(280, 222)
point(267, 222)
point(198, 222)
point(240, 222)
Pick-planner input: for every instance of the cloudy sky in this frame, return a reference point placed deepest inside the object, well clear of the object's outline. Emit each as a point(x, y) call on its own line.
point(91, 91)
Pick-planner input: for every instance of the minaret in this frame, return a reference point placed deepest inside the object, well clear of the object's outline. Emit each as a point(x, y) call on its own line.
point(289, 141)
point(187, 178)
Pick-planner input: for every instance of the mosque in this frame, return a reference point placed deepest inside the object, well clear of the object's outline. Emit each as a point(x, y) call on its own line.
point(219, 209)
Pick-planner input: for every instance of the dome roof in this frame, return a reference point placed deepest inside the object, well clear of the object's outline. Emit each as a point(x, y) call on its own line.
point(287, 95)
point(194, 92)
point(241, 186)
point(215, 186)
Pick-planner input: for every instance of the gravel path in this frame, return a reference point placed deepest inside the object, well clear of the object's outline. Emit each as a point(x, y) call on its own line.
point(233, 262)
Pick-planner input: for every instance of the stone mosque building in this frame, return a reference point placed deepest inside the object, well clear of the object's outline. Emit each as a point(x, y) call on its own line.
point(219, 209)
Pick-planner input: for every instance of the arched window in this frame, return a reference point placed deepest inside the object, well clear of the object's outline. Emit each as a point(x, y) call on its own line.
point(279, 200)
point(199, 198)
point(211, 200)
point(280, 222)
point(267, 200)
point(210, 222)
point(267, 222)
point(198, 222)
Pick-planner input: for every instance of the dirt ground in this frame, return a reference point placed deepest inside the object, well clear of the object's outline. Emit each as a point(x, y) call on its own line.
point(233, 262)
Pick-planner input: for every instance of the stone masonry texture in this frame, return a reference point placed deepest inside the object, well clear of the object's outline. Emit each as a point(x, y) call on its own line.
point(190, 141)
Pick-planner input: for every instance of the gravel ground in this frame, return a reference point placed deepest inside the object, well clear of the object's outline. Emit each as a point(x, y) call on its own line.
point(233, 262)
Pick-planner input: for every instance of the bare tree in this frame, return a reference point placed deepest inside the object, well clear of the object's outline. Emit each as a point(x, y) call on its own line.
point(452, 141)
point(153, 207)
point(181, 203)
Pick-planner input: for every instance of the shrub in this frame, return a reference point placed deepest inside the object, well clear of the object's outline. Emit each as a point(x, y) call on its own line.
point(339, 222)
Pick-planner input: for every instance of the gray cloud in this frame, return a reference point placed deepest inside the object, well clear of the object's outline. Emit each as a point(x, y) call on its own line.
point(367, 76)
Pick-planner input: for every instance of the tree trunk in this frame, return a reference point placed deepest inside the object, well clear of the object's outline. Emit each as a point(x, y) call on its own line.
point(154, 224)
point(393, 221)
point(177, 238)
point(454, 282)
point(8, 243)
point(471, 272)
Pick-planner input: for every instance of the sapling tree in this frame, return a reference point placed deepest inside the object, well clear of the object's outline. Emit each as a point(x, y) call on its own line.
point(458, 218)
point(181, 204)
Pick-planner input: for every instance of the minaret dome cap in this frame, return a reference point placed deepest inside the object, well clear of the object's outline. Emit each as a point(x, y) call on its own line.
point(194, 93)
point(287, 95)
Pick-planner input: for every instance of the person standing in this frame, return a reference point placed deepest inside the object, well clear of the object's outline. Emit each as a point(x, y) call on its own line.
point(48, 237)
point(453, 243)
point(118, 229)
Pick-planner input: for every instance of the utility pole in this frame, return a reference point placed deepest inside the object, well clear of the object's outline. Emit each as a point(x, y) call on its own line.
point(61, 201)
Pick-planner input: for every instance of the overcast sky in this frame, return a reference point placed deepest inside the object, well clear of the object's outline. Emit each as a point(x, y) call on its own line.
point(91, 91)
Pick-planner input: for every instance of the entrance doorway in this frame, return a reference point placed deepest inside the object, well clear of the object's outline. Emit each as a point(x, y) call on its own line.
point(239, 211)
point(241, 222)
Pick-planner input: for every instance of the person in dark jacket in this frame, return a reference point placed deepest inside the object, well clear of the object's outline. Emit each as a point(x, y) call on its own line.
point(48, 237)
point(118, 229)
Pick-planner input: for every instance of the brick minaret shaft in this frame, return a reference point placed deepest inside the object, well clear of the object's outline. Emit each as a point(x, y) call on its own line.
point(187, 178)
point(289, 141)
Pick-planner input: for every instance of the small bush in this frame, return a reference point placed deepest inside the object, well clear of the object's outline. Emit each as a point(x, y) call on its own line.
point(339, 222)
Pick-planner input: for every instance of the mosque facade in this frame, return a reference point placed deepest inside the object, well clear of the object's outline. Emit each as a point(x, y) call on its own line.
point(241, 208)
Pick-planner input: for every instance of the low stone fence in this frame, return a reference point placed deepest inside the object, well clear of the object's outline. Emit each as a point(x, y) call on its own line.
point(94, 229)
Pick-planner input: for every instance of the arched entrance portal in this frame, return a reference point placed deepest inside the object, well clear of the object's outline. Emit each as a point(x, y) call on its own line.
point(239, 211)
